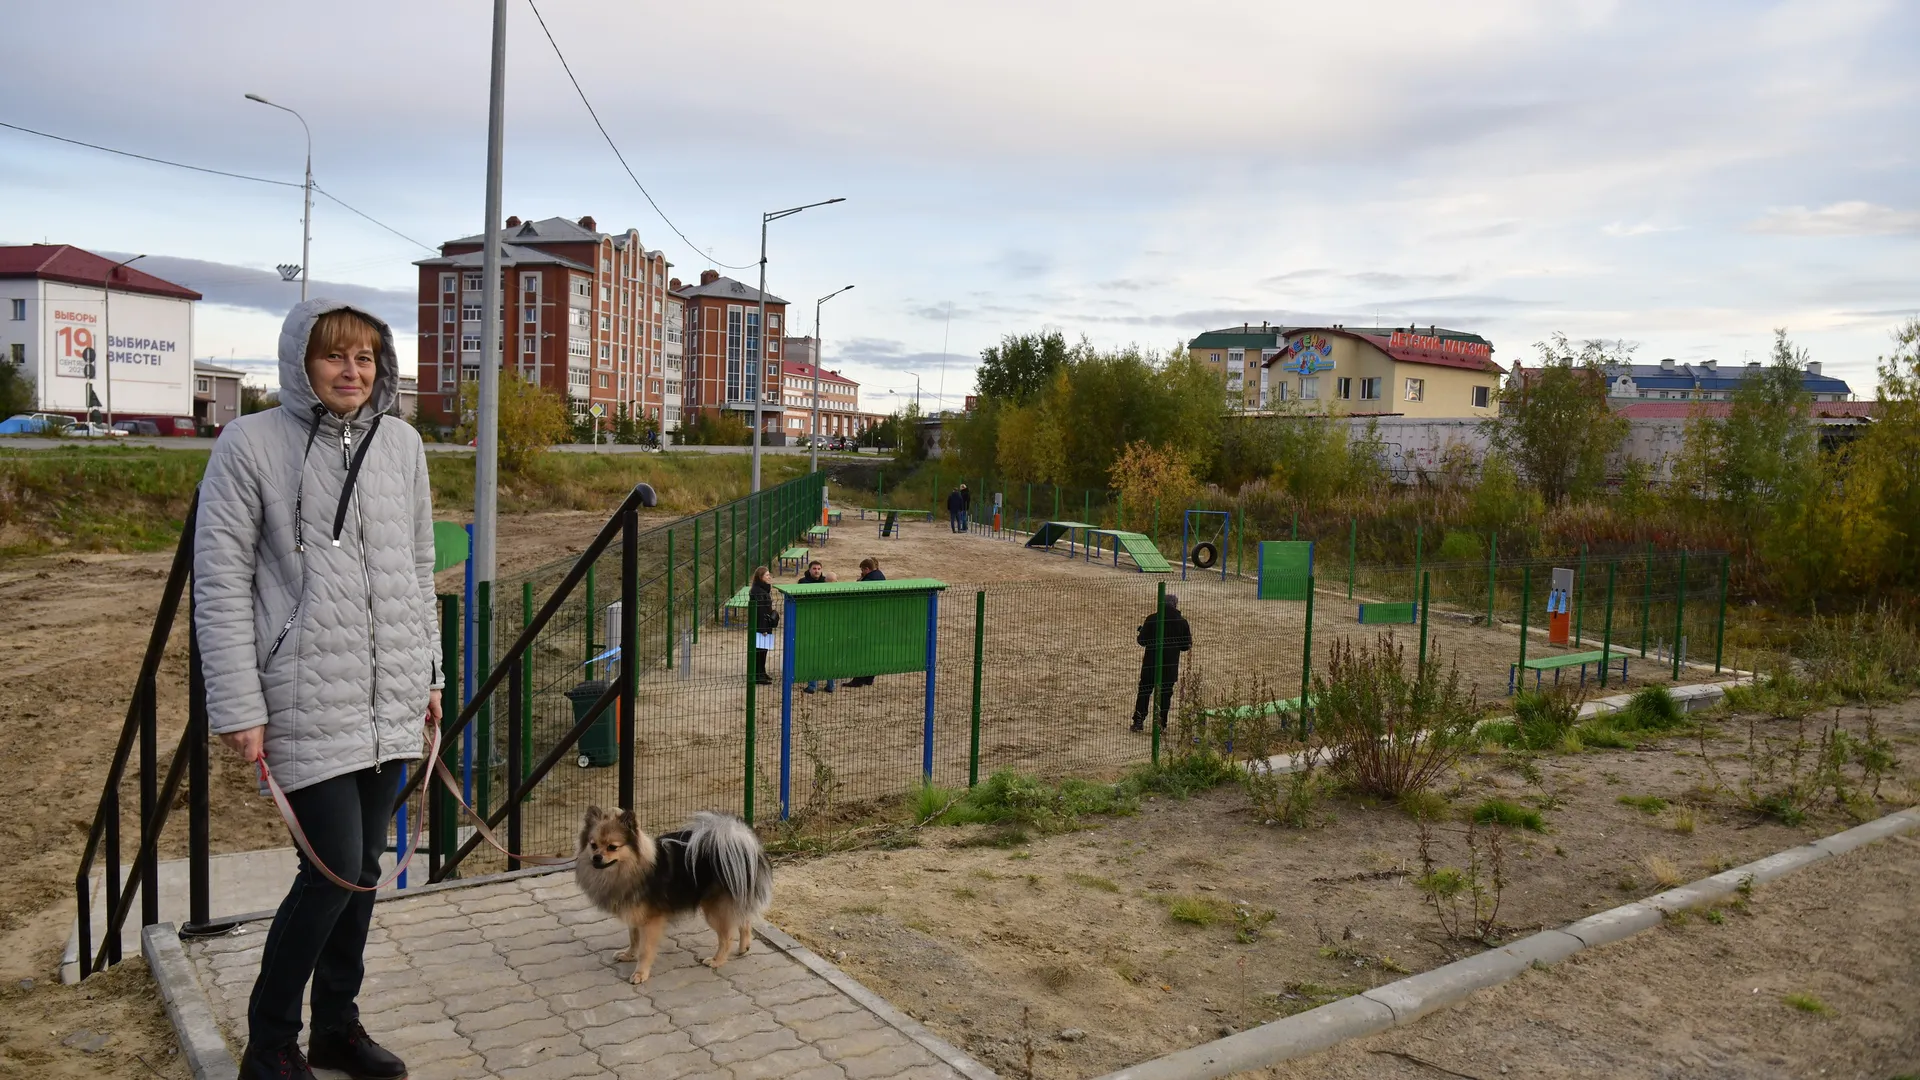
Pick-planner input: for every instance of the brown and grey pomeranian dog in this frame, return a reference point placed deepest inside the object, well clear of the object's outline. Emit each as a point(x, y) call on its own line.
point(715, 864)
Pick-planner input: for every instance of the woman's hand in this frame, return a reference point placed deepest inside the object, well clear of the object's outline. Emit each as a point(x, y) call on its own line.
point(249, 744)
point(433, 706)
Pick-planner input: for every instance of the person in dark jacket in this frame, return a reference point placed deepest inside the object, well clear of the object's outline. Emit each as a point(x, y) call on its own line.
point(869, 571)
point(966, 507)
point(954, 510)
point(1178, 639)
point(816, 575)
point(765, 621)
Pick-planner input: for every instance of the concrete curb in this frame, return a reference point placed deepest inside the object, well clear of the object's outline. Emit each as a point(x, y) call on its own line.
point(200, 1040)
point(1408, 999)
point(955, 1058)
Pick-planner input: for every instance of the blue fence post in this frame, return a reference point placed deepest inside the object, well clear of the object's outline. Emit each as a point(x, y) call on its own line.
point(933, 650)
point(786, 711)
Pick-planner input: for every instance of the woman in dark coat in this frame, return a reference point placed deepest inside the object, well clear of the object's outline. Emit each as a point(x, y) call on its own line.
point(765, 621)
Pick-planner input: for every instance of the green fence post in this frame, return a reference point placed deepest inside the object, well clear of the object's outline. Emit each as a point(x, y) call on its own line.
point(1606, 634)
point(1159, 666)
point(1353, 552)
point(979, 648)
point(716, 562)
point(1646, 602)
point(1426, 583)
point(733, 549)
point(1493, 566)
point(1720, 627)
point(1306, 660)
point(1579, 583)
point(592, 613)
point(752, 685)
point(483, 720)
point(1679, 614)
point(695, 606)
point(526, 690)
point(1526, 600)
point(669, 599)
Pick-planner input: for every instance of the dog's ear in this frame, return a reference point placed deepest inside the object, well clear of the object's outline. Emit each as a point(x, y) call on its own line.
point(594, 814)
point(630, 823)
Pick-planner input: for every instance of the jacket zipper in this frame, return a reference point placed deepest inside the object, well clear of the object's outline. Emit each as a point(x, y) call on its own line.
point(366, 578)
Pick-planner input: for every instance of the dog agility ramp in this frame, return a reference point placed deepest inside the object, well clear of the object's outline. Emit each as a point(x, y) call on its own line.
point(1140, 548)
point(1054, 531)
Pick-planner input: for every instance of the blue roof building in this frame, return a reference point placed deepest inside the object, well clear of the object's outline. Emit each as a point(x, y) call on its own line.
point(1671, 380)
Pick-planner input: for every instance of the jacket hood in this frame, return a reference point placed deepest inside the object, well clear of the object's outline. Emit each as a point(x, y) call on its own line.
point(296, 390)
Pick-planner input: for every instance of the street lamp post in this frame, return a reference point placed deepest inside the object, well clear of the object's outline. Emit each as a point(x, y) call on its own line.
point(757, 380)
point(814, 441)
point(306, 216)
point(105, 353)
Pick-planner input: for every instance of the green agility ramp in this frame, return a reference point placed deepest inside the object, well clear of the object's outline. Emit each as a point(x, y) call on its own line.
point(1284, 569)
point(1140, 548)
point(1053, 532)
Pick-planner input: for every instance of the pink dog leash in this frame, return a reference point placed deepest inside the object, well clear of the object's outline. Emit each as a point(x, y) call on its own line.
point(306, 848)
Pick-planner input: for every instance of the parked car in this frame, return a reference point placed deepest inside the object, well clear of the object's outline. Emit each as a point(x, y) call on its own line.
point(137, 427)
point(35, 424)
point(90, 430)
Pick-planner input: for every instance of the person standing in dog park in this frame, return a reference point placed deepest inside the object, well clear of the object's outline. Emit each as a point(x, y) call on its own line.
point(314, 608)
point(765, 621)
point(956, 510)
point(1176, 639)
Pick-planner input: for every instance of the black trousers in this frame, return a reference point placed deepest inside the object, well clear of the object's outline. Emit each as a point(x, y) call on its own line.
point(320, 930)
point(760, 663)
point(1171, 676)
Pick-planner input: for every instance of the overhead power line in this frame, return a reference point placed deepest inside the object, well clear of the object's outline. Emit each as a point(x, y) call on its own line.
point(568, 68)
point(219, 172)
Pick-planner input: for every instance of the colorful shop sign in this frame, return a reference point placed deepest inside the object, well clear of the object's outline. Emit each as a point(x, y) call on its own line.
point(1308, 354)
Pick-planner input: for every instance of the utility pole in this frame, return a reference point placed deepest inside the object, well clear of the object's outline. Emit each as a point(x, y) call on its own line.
point(104, 353)
point(486, 485)
point(306, 216)
point(756, 382)
point(813, 464)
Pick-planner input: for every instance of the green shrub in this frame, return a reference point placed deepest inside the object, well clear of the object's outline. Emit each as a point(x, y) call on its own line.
point(1541, 717)
point(1510, 814)
point(1864, 656)
point(1388, 730)
point(1023, 801)
point(1599, 734)
point(1426, 805)
point(1650, 805)
point(1504, 732)
point(1651, 708)
point(1195, 910)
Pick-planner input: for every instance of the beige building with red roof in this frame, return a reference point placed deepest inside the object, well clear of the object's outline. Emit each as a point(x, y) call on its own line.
point(1400, 371)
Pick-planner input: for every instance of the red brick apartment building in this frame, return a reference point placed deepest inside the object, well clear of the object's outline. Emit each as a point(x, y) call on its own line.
point(589, 315)
point(840, 413)
point(724, 365)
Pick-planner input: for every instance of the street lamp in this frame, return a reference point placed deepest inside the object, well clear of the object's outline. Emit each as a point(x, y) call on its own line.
point(106, 334)
point(306, 220)
point(757, 381)
point(814, 442)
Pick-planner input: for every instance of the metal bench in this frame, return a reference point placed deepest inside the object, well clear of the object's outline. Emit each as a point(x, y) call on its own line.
point(791, 559)
point(740, 600)
point(1556, 663)
point(817, 535)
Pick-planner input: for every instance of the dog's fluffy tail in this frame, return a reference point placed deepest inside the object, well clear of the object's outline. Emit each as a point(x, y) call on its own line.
point(730, 845)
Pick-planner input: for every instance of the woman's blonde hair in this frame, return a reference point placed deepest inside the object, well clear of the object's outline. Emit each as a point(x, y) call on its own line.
point(343, 330)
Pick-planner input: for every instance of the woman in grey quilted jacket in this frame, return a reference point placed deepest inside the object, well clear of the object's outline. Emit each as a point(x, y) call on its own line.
point(314, 609)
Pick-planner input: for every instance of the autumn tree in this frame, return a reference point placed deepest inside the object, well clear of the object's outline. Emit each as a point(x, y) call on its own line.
point(1555, 425)
point(1018, 368)
point(1881, 511)
point(532, 418)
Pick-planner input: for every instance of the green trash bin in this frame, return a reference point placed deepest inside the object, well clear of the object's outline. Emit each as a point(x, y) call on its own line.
point(600, 745)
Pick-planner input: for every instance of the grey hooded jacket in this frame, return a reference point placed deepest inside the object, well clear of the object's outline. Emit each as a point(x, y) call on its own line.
point(315, 615)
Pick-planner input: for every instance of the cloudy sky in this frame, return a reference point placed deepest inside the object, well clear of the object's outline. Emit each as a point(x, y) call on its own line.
point(1685, 176)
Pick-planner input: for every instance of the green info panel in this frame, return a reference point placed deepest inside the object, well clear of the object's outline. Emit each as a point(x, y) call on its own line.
point(844, 630)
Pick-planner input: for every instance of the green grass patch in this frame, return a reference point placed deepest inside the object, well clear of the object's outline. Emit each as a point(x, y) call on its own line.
point(1651, 708)
point(1600, 734)
point(1095, 882)
point(1510, 814)
point(1806, 1003)
point(1651, 805)
point(1194, 910)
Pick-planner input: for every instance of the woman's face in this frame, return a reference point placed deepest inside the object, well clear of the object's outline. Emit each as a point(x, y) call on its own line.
point(342, 377)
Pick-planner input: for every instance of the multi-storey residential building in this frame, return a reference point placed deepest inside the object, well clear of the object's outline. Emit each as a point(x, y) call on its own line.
point(840, 414)
point(725, 368)
point(1402, 371)
point(585, 315)
point(1671, 380)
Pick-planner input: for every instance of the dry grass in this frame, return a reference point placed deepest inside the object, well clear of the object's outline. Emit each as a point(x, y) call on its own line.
point(1663, 872)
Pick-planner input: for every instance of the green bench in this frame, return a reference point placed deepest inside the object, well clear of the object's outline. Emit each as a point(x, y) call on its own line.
point(883, 511)
point(791, 559)
point(817, 534)
point(1556, 663)
point(834, 516)
point(740, 600)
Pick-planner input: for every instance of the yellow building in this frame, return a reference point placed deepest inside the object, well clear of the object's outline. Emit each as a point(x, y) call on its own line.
point(1407, 371)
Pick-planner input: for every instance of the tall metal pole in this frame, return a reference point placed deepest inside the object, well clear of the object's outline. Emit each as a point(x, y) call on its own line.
point(104, 352)
point(813, 464)
point(754, 385)
point(486, 482)
point(306, 212)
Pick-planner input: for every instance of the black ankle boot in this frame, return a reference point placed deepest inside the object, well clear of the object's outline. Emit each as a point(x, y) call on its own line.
point(351, 1050)
point(283, 1062)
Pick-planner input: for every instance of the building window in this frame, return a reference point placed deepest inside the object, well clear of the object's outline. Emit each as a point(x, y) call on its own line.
point(606, 294)
point(472, 282)
point(577, 347)
point(446, 376)
point(446, 316)
point(733, 353)
point(606, 351)
point(469, 342)
point(19, 311)
point(19, 353)
point(447, 286)
point(1236, 360)
point(773, 323)
point(1343, 388)
point(1310, 388)
point(530, 345)
point(1416, 388)
point(581, 287)
point(469, 312)
point(578, 317)
point(1481, 395)
point(202, 384)
point(530, 284)
point(1370, 389)
point(606, 322)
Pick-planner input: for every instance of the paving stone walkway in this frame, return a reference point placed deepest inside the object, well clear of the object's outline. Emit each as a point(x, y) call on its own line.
point(516, 978)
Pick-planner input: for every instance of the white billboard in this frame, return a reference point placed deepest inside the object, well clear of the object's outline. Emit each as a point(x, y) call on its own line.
point(143, 350)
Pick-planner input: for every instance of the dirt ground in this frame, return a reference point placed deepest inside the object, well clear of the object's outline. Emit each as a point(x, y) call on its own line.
point(1070, 942)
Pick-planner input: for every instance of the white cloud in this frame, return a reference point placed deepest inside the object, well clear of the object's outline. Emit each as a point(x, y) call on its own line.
point(1854, 217)
point(1642, 228)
